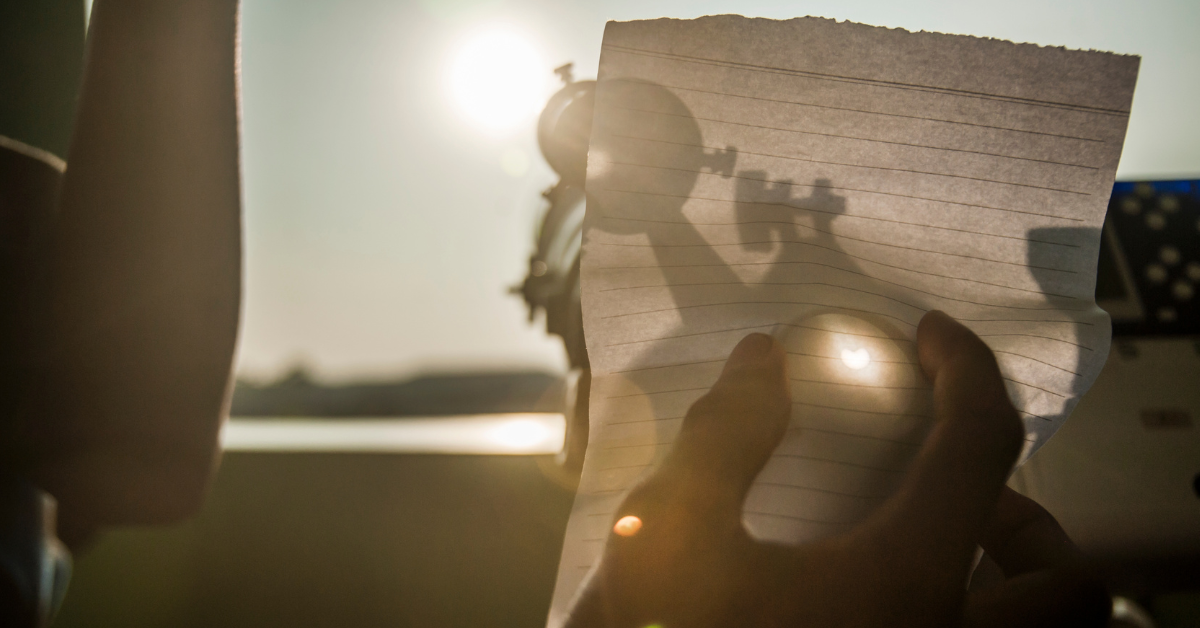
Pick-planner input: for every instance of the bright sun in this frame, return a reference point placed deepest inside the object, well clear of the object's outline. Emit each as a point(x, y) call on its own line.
point(498, 80)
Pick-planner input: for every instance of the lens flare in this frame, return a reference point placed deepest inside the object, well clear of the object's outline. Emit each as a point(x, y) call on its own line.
point(857, 359)
point(627, 526)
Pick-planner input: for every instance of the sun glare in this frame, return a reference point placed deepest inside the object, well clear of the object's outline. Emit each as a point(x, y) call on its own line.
point(498, 80)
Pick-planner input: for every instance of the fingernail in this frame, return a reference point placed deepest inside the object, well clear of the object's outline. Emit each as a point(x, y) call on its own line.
point(751, 350)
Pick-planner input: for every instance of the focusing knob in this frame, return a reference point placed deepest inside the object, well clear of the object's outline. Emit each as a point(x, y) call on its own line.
point(565, 128)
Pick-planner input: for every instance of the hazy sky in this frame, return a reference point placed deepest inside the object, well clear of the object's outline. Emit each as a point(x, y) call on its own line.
point(384, 228)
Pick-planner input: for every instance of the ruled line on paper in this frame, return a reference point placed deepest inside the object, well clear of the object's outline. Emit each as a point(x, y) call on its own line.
point(733, 329)
point(856, 385)
point(748, 302)
point(920, 308)
point(843, 189)
point(890, 84)
point(1021, 355)
point(903, 340)
point(1035, 336)
point(657, 392)
point(844, 333)
point(831, 266)
point(830, 357)
point(792, 223)
point(1035, 387)
point(1022, 320)
point(874, 141)
point(869, 167)
point(839, 307)
point(783, 242)
point(788, 243)
point(791, 379)
point(878, 113)
point(821, 211)
point(872, 386)
point(830, 285)
point(668, 366)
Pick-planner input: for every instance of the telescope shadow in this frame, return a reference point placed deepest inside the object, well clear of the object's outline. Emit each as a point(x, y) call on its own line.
point(780, 270)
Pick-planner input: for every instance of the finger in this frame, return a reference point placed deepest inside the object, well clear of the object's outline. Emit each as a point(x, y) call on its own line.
point(729, 433)
point(1044, 599)
point(1022, 537)
point(956, 478)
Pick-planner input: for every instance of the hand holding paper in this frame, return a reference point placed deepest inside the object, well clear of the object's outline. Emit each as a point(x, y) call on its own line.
point(830, 183)
point(690, 562)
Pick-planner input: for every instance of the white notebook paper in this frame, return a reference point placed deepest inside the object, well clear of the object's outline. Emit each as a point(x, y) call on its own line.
point(830, 183)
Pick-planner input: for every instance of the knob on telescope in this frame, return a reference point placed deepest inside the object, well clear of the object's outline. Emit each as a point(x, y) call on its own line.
point(565, 127)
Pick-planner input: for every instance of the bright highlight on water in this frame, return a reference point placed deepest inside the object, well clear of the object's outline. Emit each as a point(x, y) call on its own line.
point(519, 434)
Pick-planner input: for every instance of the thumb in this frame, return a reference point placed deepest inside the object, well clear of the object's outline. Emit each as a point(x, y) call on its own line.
point(728, 434)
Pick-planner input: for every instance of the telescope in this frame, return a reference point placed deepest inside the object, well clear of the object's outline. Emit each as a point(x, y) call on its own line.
point(551, 284)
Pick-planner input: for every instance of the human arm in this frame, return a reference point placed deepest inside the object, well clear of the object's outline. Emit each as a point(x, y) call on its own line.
point(144, 270)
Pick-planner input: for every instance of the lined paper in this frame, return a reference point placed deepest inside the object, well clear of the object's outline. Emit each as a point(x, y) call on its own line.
point(830, 183)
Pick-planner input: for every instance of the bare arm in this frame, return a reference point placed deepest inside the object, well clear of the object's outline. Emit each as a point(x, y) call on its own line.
point(145, 268)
